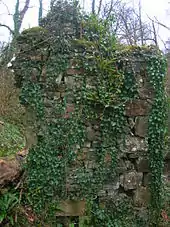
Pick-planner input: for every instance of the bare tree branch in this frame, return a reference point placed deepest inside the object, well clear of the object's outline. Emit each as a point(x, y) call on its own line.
point(129, 24)
point(110, 9)
point(6, 26)
point(140, 22)
point(23, 12)
point(155, 34)
point(6, 7)
point(163, 25)
point(100, 6)
point(158, 22)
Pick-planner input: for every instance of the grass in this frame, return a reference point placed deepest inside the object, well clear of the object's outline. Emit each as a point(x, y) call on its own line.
point(11, 140)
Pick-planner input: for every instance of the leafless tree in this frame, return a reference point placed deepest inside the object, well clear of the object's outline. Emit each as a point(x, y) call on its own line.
point(129, 25)
point(18, 16)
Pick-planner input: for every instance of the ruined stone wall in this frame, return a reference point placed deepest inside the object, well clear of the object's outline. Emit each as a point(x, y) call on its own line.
point(133, 167)
point(133, 170)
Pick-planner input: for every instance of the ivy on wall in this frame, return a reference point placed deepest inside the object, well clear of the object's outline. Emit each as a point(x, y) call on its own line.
point(156, 70)
point(106, 82)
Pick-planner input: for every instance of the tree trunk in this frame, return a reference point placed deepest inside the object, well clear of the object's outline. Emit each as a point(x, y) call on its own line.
point(40, 12)
point(93, 6)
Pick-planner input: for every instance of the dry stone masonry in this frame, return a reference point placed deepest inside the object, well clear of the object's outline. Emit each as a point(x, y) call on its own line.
point(132, 168)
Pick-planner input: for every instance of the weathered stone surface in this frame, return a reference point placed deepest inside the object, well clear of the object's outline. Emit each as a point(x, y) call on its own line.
point(141, 126)
point(137, 108)
point(30, 127)
point(145, 93)
point(145, 90)
point(143, 165)
point(146, 179)
point(57, 95)
point(72, 208)
point(70, 81)
point(87, 144)
point(48, 102)
point(69, 110)
point(95, 144)
point(134, 145)
point(82, 156)
point(131, 180)
point(73, 71)
point(141, 197)
point(167, 178)
point(167, 156)
point(167, 167)
point(121, 166)
point(90, 164)
point(129, 165)
point(134, 155)
point(91, 134)
point(9, 171)
point(85, 149)
point(110, 189)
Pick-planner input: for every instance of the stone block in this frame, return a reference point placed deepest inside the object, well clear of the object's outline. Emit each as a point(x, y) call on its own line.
point(90, 164)
point(70, 81)
point(141, 126)
point(85, 149)
point(9, 171)
point(61, 88)
point(121, 167)
point(91, 134)
point(146, 93)
point(69, 110)
point(110, 189)
point(143, 165)
point(133, 145)
point(167, 166)
point(95, 144)
point(82, 156)
point(129, 165)
point(131, 180)
point(96, 127)
point(48, 103)
point(87, 144)
point(167, 156)
point(146, 179)
point(141, 197)
point(63, 94)
point(72, 208)
point(73, 71)
point(57, 95)
point(134, 155)
point(166, 179)
point(137, 108)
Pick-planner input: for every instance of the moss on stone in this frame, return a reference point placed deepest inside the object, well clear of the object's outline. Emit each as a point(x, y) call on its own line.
point(33, 36)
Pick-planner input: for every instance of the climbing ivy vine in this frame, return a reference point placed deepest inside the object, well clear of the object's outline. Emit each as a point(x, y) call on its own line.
point(156, 70)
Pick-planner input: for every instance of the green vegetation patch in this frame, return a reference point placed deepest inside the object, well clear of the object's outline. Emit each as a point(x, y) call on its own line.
point(11, 140)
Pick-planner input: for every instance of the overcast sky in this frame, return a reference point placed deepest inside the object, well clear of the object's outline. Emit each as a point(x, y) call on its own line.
point(158, 8)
